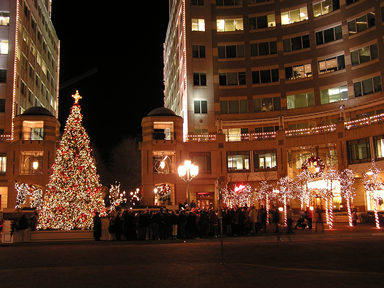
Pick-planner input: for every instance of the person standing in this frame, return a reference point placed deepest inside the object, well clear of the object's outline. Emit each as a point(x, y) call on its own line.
point(309, 217)
point(96, 227)
point(253, 220)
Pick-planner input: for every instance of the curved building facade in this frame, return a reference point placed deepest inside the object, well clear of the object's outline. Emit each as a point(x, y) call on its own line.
point(277, 82)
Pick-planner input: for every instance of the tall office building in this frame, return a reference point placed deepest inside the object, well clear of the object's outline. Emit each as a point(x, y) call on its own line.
point(284, 81)
point(29, 78)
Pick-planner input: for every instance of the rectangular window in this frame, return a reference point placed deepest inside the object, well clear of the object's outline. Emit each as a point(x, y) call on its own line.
point(263, 48)
point(349, 2)
point(264, 160)
point(331, 64)
point(294, 15)
point(198, 51)
point(378, 142)
point(329, 35)
point(2, 105)
point(258, 1)
point(296, 43)
point(229, 2)
point(200, 107)
point(231, 51)
point(359, 151)
point(3, 47)
point(33, 130)
point(300, 100)
point(260, 22)
point(198, 25)
point(197, 2)
point(31, 162)
point(4, 18)
point(3, 164)
point(238, 161)
point(361, 23)
point(229, 25)
point(364, 54)
point(298, 71)
point(325, 6)
point(367, 86)
point(232, 79)
point(234, 106)
point(3, 75)
point(266, 104)
point(334, 94)
point(199, 79)
point(265, 76)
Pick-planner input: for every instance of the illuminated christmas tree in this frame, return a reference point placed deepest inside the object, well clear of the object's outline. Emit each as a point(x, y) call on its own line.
point(73, 193)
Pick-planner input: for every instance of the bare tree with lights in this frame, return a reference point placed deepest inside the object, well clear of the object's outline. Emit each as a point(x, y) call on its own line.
point(264, 193)
point(347, 179)
point(372, 185)
point(286, 187)
point(331, 176)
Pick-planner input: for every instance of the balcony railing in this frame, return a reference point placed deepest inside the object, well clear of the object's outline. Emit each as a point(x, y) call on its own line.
point(201, 138)
point(5, 137)
point(289, 133)
point(311, 131)
point(366, 121)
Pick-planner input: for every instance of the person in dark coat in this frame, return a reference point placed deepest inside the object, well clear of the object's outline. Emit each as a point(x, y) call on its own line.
point(97, 226)
point(118, 226)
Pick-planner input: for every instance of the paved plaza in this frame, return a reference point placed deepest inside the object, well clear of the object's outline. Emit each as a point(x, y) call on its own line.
point(338, 258)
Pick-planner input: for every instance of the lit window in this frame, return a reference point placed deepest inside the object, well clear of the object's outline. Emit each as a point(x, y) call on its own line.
point(33, 130)
point(331, 64)
point(232, 134)
point(3, 46)
point(361, 24)
point(163, 130)
point(298, 71)
point(31, 162)
point(229, 25)
point(334, 94)
point(325, 6)
point(198, 25)
point(300, 100)
point(4, 18)
point(3, 164)
point(295, 15)
point(264, 160)
point(238, 161)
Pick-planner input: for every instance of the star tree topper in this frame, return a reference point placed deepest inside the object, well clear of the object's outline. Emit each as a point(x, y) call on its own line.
point(77, 97)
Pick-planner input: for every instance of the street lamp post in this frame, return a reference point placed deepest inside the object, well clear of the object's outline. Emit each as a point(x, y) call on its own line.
point(187, 172)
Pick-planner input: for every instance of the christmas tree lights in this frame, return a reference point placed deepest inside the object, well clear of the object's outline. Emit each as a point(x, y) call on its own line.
point(73, 193)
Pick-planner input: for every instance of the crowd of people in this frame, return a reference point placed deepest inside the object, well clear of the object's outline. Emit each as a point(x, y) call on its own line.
point(164, 224)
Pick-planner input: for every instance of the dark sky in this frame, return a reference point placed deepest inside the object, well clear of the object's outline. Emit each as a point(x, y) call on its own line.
point(112, 54)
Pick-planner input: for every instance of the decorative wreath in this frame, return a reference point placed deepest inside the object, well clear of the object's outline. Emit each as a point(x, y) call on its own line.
point(315, 162)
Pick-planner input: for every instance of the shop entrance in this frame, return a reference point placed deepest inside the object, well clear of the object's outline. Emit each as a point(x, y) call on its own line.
point(205, 200)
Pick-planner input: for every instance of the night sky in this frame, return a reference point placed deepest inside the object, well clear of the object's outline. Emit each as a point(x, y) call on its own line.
point(114, 57)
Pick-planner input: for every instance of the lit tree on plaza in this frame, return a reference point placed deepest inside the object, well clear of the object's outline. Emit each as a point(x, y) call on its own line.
point(73, 193)
point(331, 176)
point(372, 184)
point(347, 179)
point(264, 193)
point(286, 188)
point(302, 189)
